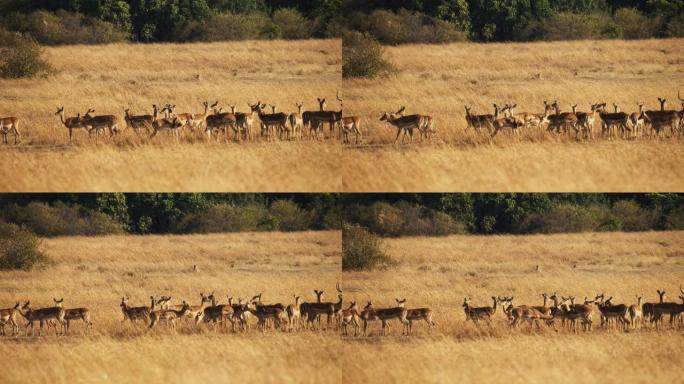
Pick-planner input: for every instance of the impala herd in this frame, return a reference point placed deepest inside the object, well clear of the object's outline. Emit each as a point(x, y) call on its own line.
point(301, 315)
point(213, 120)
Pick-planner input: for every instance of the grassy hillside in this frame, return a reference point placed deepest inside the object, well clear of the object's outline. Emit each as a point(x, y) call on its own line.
point(111, 78)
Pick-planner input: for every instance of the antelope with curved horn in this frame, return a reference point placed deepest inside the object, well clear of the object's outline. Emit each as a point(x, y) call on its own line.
point(663, 119)
point(74, 314)
point(219, 122)
point(101, 122)
point(405, 124)
point(41, 315)
point(479, 313)
point(417, 314)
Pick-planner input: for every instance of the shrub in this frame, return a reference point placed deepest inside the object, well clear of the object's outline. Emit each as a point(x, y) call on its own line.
point(563, 218)
point(635, 25)
point(61, 220)
point(632, 217)
point(444, 225)
point(289, 216)
point(20, 56)
point(224, 218)
point(229, 26)
point(675, 28)
point(569, 26)
point(407, 27)
point(675, 219)
point(65, 27)
point(292, 24)
point(363, 56)
point(362, 250)
point(19, 248)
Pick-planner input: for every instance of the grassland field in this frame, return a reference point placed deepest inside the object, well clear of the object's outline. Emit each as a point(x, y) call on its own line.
point(440, 272)
point(439, 80)
point(97, 271)
point(110, 78)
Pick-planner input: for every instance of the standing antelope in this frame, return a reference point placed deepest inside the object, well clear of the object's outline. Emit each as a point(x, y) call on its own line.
point(296, 121)
point(219, 121)
point(515, 124)
point(100, 122)
point(275, 121)
point(585, 121)
point(71, 123)
point(478, 313)
point(136, 313)
point(172, 124)
point(169, 316)
point(41, 315)
point(405, 124)
point(316, 119)
point(638, 120)
point(610, 121)
point(384, 315)
point(635, 314)
point(350, 316)
point(663, 119)
point(7, 125)
point(74, 314)
point(417, 314)
point(478, 121)
point(9, 316)
point(293, 314)
point(351, 124)
point(138, 122)
point(562, 121)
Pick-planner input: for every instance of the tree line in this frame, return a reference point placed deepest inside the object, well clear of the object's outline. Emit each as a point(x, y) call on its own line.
point(512, 213)
point(162, 213)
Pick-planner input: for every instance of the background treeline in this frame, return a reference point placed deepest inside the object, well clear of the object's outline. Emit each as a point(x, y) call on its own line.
point(53, 22)
point(109, 213)
point(434, 21)
point(494, 213)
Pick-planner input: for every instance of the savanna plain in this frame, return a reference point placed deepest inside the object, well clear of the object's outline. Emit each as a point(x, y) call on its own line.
point(439, 272)
point(110, 78)
point(440, 80)
point(95, 272)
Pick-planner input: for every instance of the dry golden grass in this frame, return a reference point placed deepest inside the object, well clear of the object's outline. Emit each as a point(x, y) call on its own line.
point(96, 271)
point(439, 272)
point(113, 77)
point(440, 79)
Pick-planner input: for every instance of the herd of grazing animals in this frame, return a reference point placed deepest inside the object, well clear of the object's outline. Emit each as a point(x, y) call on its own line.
point(301, 315)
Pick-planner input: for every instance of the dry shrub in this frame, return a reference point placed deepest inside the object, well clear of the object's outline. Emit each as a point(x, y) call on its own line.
point(224, 218)
point(66, 28)
point(292, 24)
point(229, 26)
point(362, 250)
point(61, 220)
point(289, 217)
point(19, 248)
point(362, 56)
point(20, 56)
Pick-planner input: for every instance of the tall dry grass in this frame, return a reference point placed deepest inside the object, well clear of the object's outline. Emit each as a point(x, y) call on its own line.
point(110, 78)
point(440, 272)
point(97, 271)
point(440, 80)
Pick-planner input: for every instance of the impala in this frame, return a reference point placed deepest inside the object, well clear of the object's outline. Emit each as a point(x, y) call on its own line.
point(585, 121)
point(293, 314)
point(168, 316)
point(296, 121)
point(416, 314)
point(350, 316)
point(619, 312)
point(7, 125)
point(100, 122)
point(515, 313)
point(217, 313)
point(532, 119)
point(562, 121)
point(138, 122)
point(219, 121)
point(638, 120)
point(9, 316)
point(271, 121)
point(193, 311)
point(351, 124)
point(314, 311)
point(610, 121)
point(663, 119)
point(74, 314)
point(316, 119)
point(513, 123)
point(478, 313)
point(172, 124)
point(71, 123)
point(635, 314)
point(384, 315)
point(662, 308)
point(405, 124)
point(478, 121)
point(136, 313)
point(41, 315)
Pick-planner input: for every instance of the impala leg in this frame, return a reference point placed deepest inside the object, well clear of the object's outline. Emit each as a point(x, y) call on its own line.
point(398, 133)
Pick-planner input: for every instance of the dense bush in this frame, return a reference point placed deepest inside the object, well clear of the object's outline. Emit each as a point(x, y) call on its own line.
point(289, 216)
point(362, 250)
point(229, 26)
point(406, 219)
point(675, 219)
point(292, 24)
point(632, 217)
point(66, 28)
point(570, 26)
point(675, 28)
point(19, 248)
point(61, 219)
point(225, 218)
point(20, 56)
point(635, 25)
point(362, 56)
point(407, 27)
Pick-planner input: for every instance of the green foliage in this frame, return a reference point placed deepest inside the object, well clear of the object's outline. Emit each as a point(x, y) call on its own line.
point(65, 27)
point(61, 219)
point(675, 219)
point(289, 216)
point(292, 24)
point(225, 218)
point(20, 56)
point(675, 28)
point(405, 219)
point(362, 250)
point(633, 217)
point(228, 26)
point(635, 25)
point(362, 56)
point(407, 27)
point(19, 248)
